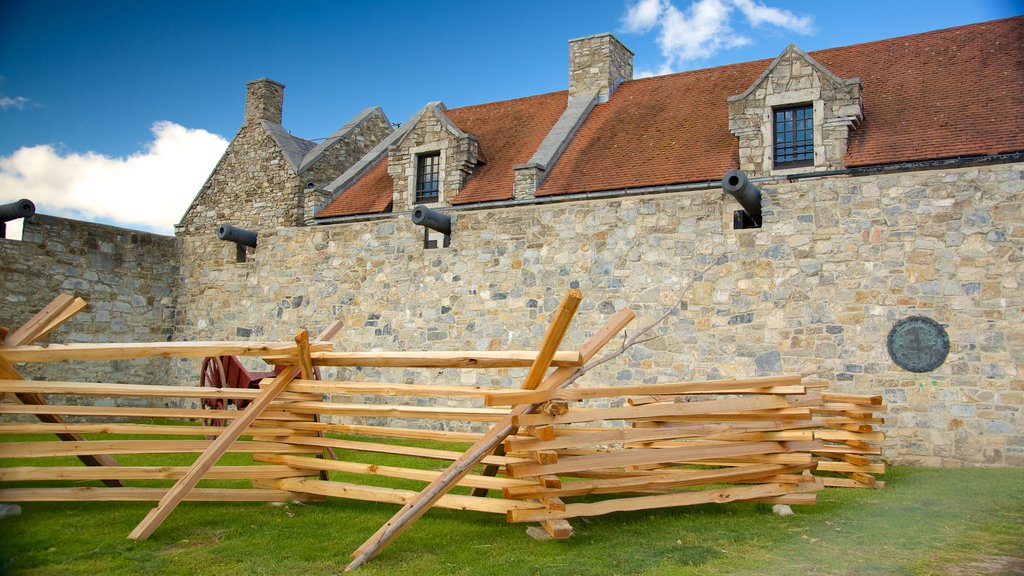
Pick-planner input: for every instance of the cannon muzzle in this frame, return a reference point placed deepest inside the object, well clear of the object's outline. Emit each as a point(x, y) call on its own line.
point(21, 209)
point(736, 184)
point(237, 235)
point(423, 216)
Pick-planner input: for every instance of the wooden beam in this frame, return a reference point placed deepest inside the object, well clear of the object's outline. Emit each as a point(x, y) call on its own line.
point(44, 409)
point(644, 456)
point(136, 351)
point(400, 411)
point(7, 371)
point(736, 386)
point(552, 339)
point(655, 481)
point(440, 359)
point(652, 411)
point(398, 496)
point(133, 429)
point(388, 389)
point(136, 390)
point(48, 473)
point(91, 494)
point(206, 461)
point(432, 493)
point(396, 449)
point(472, 480)
point(719, 495)
point(24, 334)
point(47, 449)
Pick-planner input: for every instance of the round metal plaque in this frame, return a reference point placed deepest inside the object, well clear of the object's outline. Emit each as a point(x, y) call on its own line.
point(918, 344)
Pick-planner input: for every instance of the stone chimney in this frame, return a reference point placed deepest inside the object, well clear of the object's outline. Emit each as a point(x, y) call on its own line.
point(598, 64)
point(264, 100)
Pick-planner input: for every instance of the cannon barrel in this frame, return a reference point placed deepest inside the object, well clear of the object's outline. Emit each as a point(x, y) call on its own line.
point(736, 184)
point(237, 235)
point(423, 216)
point(21, 209)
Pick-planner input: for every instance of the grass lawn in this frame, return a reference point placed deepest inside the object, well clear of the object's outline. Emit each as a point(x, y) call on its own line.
point(926, 521)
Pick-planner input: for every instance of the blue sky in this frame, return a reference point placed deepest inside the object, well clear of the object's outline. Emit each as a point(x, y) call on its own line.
point(85, 84)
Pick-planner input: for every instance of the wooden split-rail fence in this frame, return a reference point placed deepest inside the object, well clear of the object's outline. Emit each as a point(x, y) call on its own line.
point(547, 446)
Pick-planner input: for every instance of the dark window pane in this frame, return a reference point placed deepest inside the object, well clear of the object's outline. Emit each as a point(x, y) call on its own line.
point(794, 136)
point(428, 172)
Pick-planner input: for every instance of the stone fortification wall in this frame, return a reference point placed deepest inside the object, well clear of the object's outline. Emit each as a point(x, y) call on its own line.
point(127, 277)
point(814, 292)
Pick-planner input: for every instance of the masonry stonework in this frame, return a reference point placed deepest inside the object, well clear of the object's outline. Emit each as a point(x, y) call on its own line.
point(814, 292)
point(129, 279)
point(795, 78)
point(433, 133)
point(598, 64)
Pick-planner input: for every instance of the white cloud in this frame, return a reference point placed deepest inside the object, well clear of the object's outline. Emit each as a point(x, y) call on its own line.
point(150, 189)
point(18, 102)
point(704, 29)
point(643, 15)
point(758, 14)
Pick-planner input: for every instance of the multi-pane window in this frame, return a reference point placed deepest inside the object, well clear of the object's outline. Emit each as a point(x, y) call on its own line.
point(428, 173)
point(794, 137)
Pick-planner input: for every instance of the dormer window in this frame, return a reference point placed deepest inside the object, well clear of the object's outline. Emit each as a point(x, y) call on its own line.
point(428, 177)
point(794, 136)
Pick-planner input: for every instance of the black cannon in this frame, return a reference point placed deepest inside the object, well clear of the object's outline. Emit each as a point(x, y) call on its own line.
point(736, 184)
point(240, 236)
point(423, 216)
point(23, 208)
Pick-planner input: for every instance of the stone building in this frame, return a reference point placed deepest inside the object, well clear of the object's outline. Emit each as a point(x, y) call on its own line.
point(892, 186)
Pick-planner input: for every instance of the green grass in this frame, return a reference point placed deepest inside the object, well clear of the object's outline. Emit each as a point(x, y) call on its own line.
point(926, 521)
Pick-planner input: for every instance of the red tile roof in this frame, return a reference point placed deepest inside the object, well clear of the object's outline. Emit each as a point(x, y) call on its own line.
point(371, 194)
point(955, 92)
point(949, 93)
point(509, 132)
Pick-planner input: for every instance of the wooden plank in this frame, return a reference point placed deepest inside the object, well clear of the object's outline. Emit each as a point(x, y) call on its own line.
point(644, 456)
point(828, 466)
point(76, 306)
point(656, 411)
point(388, 389)
point(720, 495)
point(8, 372)
point(557, 529)
point(47, 473)
point(135, 390)
point(136, 351)
point(668, 479)
point(93, 447)
point(858, 399)
point(734, 386)
point(839, 435)
point(23, 335)
point(562, 317)
point(135, 412)
point(133, 429)
point(400, 411)
point(398, 496)
point(440, 359)
point(91, 494)
point(470, 480)
point(850, 483)
point(209, 458)
point(389, 432)
point(396, 449)
point(501, 430)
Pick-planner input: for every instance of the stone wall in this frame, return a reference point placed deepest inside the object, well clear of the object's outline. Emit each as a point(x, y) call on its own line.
point(815, 292)
point(128, 278)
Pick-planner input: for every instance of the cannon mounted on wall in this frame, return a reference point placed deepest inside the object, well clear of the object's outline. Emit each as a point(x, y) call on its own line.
point(23, 208)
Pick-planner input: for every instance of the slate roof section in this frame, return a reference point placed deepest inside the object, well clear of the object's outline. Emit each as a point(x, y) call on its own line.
point(293, 147)
point(943, 94)
point(319, 150)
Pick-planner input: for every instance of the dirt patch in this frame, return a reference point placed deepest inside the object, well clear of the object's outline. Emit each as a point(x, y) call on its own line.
point(989, 566)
